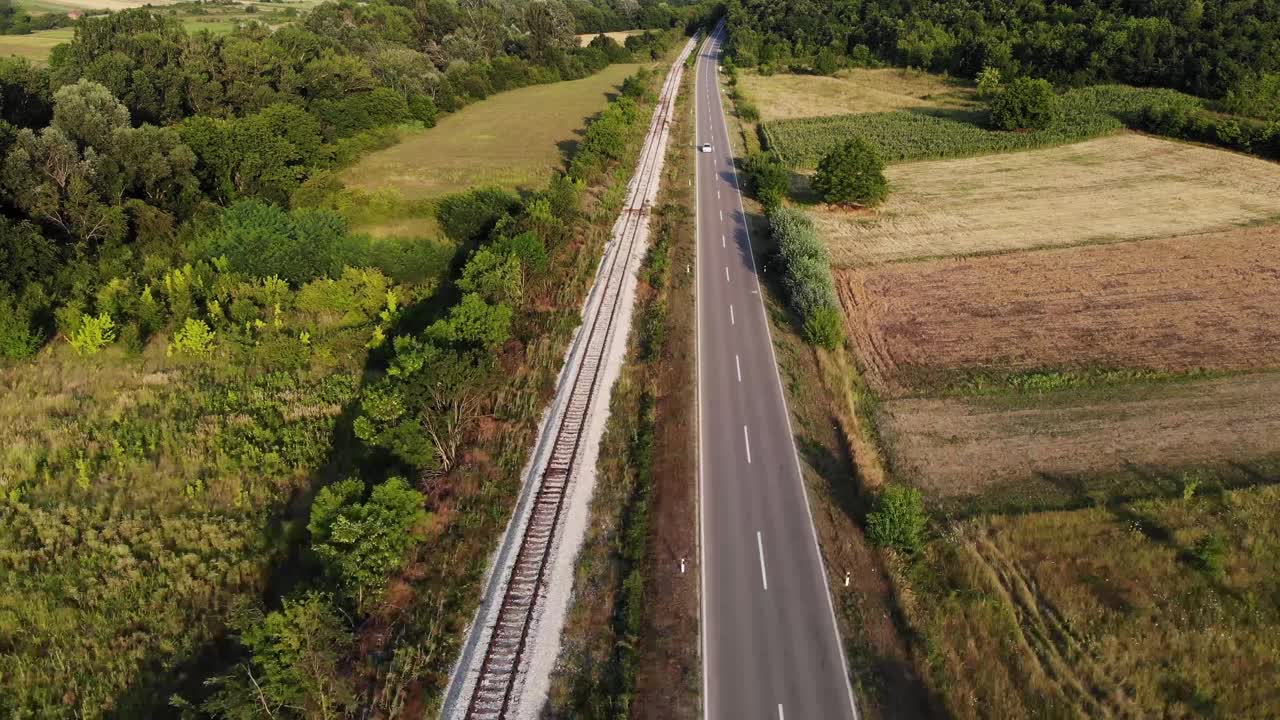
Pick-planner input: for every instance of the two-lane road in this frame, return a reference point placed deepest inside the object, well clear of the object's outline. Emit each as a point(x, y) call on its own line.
point(771, 648)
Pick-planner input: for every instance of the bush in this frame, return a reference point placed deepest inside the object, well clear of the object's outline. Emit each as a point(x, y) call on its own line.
point(769, 178)
point(93, 334)
point(1209, 554)
point(468, 217)
point(193, 339)
point(898, 519)
point(17, 339)
point(988, 83)
point(1024, 104)
point(262, 240)
point(361, 542)
point(824, 328)
point(852, 173)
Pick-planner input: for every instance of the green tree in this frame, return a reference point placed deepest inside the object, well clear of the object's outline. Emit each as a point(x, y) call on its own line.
point(93, 334)
point(264, 241)
point(897, 519)
point(473, 323)
point(1024, 104)
point(550, 27)
point(851, 173)
point(988, 83)
point(496, 276)
point(826, 62)
point(88, 114)
point(295, 664)
point(361, 541)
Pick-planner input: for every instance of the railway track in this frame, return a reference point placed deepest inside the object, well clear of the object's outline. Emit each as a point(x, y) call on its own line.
point(491, 698)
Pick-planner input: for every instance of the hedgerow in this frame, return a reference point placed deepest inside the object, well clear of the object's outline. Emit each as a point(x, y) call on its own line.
point(806, 275)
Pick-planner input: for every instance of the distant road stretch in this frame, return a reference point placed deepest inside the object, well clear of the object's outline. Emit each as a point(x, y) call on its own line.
point(771, 648)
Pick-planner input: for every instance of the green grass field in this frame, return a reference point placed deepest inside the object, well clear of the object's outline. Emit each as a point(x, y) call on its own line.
point(36, 46)
point(513, 139)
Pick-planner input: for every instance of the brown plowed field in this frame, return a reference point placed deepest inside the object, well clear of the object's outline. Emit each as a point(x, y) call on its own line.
point(1198, 302)
point(952, 447)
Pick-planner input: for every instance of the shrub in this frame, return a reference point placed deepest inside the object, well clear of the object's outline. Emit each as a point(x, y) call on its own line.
point(826, 62)
point(361, 542)
point(1024, 104)
point(469, 216)
point(988, 83)
point(1209, 554)
point(193, 339)
point(897, 519)
point(262, 240)
point(769, 177)
point(17, 339)
point(93, 334)
point(852, 173)
point(824, 327)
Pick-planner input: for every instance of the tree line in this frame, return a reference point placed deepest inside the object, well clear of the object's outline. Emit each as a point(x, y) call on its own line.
point(138, 132)
point(1211, 48)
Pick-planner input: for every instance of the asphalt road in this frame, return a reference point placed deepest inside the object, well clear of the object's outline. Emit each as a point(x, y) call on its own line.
point(771, 648)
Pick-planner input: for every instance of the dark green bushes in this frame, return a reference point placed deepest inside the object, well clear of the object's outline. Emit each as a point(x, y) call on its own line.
point(897, 519)
point(806, 276)
point(770, 179)
point(1024, 104)
point(262, 241)
point(851, 173)
point(470, 216)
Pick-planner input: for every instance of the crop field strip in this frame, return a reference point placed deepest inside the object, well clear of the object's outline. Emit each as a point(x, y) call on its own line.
point(1126, 187)
point(504, 655)
point(936, 132)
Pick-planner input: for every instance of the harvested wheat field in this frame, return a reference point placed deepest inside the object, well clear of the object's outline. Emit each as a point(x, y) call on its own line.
point(1124, 187)
point(953, 447)
point(1207, 301)
point(782, 96)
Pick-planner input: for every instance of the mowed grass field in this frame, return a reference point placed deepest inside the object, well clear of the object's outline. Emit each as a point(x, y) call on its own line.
point(1117, 188)
point(1108, 611)
point(1202, 302)
point(513, 139)
point(35, 46)
point(783, 96)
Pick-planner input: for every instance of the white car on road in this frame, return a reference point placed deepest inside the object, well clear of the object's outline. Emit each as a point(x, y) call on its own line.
point(706, 147)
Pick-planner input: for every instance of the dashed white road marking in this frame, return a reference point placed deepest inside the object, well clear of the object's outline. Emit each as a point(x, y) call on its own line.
point(726, 274)
point(731, 320)
point(746, 439)
point(738, 364)
point(764, 577)
point(780, 715)
point(721, 216)
point(722, 241)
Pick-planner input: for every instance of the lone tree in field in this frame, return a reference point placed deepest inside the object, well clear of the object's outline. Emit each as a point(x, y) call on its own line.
point(1024, 104)
point(852, 173)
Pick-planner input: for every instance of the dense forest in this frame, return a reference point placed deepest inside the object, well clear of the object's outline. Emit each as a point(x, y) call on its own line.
point(250, 473)
point(1220, 49)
